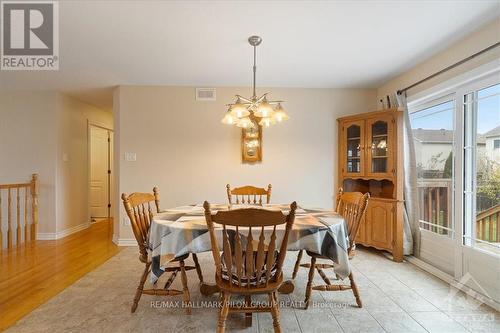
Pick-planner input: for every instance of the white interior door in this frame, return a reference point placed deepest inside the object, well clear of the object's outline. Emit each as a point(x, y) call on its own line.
point(99, 174)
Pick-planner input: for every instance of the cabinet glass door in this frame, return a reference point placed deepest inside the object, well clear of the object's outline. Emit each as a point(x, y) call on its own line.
point(379, 141)
point(354, 147)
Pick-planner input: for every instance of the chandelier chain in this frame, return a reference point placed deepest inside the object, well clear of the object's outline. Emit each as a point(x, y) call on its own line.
point(254, 70)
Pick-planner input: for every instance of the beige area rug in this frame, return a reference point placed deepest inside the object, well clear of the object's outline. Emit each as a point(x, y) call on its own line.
point(396, 298)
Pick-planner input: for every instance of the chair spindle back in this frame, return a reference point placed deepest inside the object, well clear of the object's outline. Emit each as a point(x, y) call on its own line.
point(249, 195)
point(352, 206)
point(139, 208)
point(247, 261)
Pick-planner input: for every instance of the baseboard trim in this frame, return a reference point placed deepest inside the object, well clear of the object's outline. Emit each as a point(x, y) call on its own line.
point(62, 233)
point(452, 282)
point(124, 241)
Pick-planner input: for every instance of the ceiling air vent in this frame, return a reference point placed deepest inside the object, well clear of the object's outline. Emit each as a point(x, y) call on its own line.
point(205, 94)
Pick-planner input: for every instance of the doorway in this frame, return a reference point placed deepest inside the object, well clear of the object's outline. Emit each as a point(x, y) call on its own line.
point(100, 175)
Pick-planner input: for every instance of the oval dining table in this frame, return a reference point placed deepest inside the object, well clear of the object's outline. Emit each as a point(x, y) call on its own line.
point(181, 230)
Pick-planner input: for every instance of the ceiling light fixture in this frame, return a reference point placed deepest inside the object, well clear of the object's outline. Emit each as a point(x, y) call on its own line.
point(244, 110)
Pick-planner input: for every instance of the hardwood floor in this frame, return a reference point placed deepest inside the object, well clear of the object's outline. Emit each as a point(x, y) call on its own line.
point(30, 275)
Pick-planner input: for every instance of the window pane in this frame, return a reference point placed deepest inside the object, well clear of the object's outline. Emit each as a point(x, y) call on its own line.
point(353, 148)
point(489, 91)
point(433, 134)
point(484, 205)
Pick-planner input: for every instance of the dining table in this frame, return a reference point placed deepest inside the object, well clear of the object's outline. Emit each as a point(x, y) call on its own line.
point(182, 230)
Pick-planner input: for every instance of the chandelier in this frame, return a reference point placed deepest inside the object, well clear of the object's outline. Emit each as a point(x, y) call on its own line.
point(247, 112)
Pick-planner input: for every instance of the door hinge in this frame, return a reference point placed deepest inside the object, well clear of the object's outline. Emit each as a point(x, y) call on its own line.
point(109, 140)
point(109, 172)
point(109, 205)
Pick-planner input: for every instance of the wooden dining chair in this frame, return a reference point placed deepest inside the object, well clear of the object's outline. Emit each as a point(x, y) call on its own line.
point(140, 212)
point(247, 266)
point(249, 195)
point(352, 206)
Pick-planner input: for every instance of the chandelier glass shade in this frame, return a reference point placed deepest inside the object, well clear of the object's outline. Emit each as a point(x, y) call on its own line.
point(244, 110)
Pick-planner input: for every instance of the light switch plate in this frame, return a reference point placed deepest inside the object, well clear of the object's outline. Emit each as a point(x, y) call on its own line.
point(130, 157)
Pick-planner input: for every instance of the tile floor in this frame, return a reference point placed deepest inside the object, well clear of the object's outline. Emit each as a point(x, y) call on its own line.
point(397, 297)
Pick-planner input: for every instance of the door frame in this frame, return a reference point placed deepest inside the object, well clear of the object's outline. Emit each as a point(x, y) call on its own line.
point(91, 124)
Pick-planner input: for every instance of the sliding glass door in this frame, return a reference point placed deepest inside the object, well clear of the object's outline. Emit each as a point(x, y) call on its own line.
point(457, 142)
point(482, 169)
point(479, 255)
point(433, 127)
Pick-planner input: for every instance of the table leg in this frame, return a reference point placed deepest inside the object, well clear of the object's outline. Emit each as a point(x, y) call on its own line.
point(208, 289)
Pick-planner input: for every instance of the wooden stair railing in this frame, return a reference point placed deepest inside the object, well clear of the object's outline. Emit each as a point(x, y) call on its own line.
point(19, 193)
point(488, 225)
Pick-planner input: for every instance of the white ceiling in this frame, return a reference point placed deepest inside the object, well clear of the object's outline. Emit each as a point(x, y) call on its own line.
point(204, 43)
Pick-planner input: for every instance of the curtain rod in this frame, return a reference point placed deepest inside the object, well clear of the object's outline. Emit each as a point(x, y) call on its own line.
point(448, 68)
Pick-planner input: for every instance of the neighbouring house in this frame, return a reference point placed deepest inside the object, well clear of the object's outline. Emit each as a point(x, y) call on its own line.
point(492, 141)
point(434, 146)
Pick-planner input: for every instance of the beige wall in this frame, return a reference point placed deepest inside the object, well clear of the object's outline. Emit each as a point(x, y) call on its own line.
point(183, 148)
point(28, 135)
point(36, 129)
point(72, 175)
point(480, 39)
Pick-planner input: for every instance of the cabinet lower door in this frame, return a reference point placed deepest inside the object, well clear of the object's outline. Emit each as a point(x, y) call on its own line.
point(380, 217)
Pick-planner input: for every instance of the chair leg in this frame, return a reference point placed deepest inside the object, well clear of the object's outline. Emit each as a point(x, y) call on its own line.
point(309, 282)
point(248, 315)
point(140, 287)
point(355, 291)
point(198, 268)
point(185, 290)
point(297, 264)
point(221, 324)
point(275, 313)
